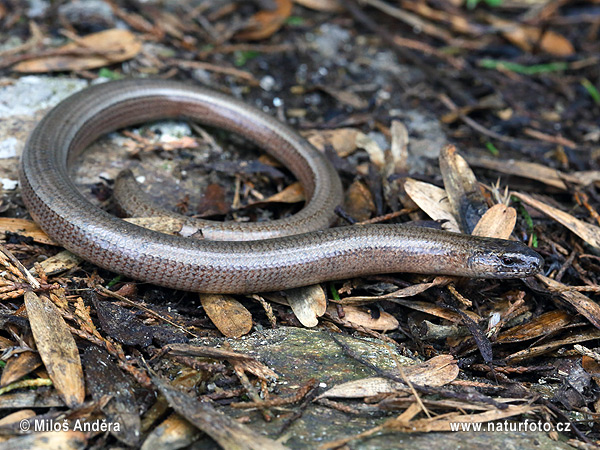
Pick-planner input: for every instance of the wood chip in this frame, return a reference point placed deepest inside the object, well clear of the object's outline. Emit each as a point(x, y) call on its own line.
point(61, 262)
point(26, 228)
point(376, 154)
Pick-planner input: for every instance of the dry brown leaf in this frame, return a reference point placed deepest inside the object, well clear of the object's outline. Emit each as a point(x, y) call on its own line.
point(362, 317)
point(294, 193)
point(56, 347)
point(534, 352)
point(438, 371)
point(398, 147)
point(536, 171)
point(433, 200)
point(265, 23)
point(343, 140)
point(167, 225)
point(358, 202)
point(443, 423)
point(347, 97)
point(527, 37)
point(498, 222)
point(366, 387)
point(17, 417)
point(90, 52)
point(173, 432)
point(17, 368)
point(51, 440)
point(409, 291)
point(26, 228)
point(227, 432)
point(583, 304)
point(229, 316)
point(376, 154)
point(539, 326)
point(213, 201)
point(308, 302)
point(464, 194)
point(586, 231)
point(438, 311)
point(246, 362)
point(321, 5)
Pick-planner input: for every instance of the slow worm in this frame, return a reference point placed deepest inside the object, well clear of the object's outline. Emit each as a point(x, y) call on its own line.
point(306, 251)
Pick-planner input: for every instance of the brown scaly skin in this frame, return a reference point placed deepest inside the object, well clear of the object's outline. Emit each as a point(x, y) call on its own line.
point(303, 254)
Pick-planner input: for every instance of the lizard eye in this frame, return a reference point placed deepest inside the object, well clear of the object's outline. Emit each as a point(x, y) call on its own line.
point(507, 260)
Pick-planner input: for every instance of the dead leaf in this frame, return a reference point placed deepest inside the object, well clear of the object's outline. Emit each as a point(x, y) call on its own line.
point(376, 154)
point(307, 302)
point(498, 222)
point(464, 194)
point(358, 202)
point(173, 432)
point(527, 37)
point(227, 432)
point(582, 303)
point(57, 348)
point(539, 326)
point(343, 140)
point(51, 440)
point(346, 97)
point(265, 23)
point(438, 371)
point(229, 316)
point(586, 231)
point(534, 352)
point(90, 52)
point(213, 201)
point(536, 171)
point(433, 200)
point(364, 318)
point(409, 291)
point(294, 193)
point(321, 5)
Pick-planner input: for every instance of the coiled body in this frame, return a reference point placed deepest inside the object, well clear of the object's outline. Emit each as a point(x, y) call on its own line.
point(307, 253)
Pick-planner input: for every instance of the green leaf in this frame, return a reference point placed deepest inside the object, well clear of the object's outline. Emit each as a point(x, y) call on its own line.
point(522, 69)
point(110, 74)
point(492, 148)
point(587, 84)
point(240, 58)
